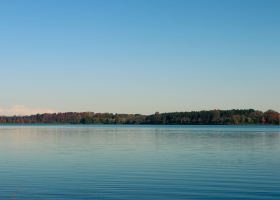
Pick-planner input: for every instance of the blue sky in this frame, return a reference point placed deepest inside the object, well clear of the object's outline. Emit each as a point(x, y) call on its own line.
point(138, 56)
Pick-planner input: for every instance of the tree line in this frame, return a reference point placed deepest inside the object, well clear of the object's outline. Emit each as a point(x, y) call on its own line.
point(211, 117)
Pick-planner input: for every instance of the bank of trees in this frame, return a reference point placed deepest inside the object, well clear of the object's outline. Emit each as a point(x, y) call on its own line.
point(215, 117)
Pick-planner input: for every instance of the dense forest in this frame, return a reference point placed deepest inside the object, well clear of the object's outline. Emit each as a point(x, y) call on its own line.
point(215, 117)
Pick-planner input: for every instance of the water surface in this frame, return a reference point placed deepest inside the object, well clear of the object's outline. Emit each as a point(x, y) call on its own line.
point(139, 162)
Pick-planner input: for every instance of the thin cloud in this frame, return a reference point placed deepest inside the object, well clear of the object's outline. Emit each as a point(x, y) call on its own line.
point(21, 110)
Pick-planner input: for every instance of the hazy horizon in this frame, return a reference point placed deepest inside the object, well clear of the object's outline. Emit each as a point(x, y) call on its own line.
point(138, 56)
point(21, 111)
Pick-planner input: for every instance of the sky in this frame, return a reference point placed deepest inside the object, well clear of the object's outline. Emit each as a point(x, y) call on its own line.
point(138, 56)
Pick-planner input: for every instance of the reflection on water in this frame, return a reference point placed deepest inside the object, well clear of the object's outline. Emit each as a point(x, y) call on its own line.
point(140, 162)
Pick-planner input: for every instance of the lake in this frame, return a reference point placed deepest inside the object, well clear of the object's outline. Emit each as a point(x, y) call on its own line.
point(139, 162)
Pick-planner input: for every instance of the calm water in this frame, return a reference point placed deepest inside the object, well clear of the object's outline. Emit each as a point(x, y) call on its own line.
point(139, 162)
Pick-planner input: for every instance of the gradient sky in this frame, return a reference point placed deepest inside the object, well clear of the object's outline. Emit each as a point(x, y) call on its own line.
point(138, 56)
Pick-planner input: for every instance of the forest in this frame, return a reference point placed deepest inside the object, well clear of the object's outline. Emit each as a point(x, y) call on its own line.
point(211, 117)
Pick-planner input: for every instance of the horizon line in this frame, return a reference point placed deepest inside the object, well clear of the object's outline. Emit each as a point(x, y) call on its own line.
point(115, 113)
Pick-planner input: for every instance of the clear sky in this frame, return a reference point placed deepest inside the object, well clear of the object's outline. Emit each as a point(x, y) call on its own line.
point(138, 56)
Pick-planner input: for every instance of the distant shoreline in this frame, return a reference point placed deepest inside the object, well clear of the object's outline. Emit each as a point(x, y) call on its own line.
point(140, 125)
point(211, 117)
